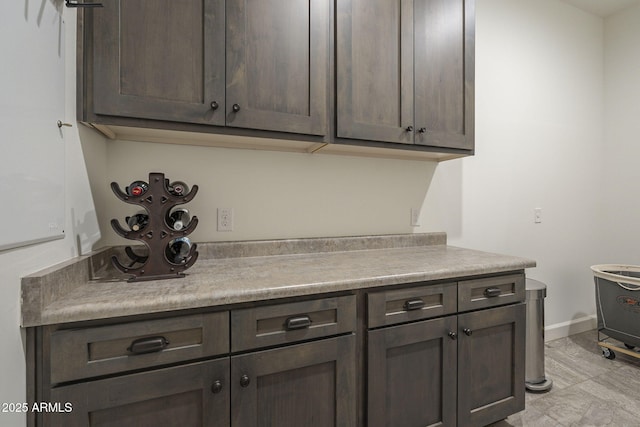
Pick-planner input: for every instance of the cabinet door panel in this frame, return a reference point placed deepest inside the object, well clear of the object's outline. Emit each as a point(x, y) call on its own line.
point(159, 59)
point(444, 76)
point(309, 384)
point(491, 367)
point(412, 374)
point(277, 65)
point(171, 397)
point(374, 49)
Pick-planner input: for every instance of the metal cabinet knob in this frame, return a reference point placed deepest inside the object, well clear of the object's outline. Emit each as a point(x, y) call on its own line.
point(422, 130)
point(409, 129)
point(216, 387)
point(467, 331)
point(453, 335)
point(235, 108)
point(214, 105)
point(245, 381)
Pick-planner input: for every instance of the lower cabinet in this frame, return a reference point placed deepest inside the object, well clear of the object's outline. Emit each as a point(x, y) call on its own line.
point(412, 374)
point(490, 364)
point(291, 364)
point(309, 384)
point(191, 395)
point(464, 370)
point(425, 354)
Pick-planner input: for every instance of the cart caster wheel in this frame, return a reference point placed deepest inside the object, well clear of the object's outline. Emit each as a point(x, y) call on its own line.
point(608, 354)
point(630, 347)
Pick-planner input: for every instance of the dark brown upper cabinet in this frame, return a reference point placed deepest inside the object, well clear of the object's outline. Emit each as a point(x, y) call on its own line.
point(277, 65)
point(389, 78)
point(256, 64)
point(405, 71)
point(158, 59)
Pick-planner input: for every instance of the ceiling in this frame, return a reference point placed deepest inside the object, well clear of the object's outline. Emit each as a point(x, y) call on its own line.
point(602, 8)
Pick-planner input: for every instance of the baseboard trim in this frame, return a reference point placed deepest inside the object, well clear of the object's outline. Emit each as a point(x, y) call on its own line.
point(574, 326)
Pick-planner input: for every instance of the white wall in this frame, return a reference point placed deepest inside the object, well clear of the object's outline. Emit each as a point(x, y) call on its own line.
point(539, 144)
point(622, 124)
point(81, 228)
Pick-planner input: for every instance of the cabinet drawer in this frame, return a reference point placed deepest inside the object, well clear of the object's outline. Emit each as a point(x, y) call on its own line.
point(490, 292)
point(286, 323)
point(90, 352)
point(403, 305)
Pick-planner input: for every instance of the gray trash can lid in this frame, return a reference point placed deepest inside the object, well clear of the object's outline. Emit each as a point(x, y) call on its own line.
point(535, 289)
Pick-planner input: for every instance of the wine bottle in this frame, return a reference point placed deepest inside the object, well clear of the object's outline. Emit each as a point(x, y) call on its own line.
point(178, 188)
point(178, 219)
point(137, 188)
point(178, 250)
point(138, 221)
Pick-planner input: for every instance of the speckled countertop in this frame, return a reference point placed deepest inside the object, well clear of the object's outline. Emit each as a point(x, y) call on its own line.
point(86, 288)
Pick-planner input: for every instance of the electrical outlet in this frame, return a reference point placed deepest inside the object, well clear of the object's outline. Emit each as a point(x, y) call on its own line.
point(225, 219)
point(415, 217)
point(537, 215)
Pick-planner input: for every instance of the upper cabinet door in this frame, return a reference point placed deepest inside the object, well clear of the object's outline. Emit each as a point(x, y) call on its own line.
point(159, 59)
point(277, 65)
point(374, 63)
point(405, 71)
point(444, 73)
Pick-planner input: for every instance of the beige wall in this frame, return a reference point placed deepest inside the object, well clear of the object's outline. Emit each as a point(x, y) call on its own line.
point(275, 194)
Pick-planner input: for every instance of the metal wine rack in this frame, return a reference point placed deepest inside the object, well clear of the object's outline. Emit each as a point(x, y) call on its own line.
point(158, 201)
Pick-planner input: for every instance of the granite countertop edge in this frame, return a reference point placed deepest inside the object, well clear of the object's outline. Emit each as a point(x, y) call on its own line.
point(243, 279)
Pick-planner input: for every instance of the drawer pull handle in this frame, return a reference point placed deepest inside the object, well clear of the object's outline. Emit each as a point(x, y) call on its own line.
point(492, 292)
point(148, 345)
point(413, 304)
point(297, 322)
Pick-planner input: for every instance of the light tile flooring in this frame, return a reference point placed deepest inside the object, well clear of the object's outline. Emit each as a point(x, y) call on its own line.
point(588, 390)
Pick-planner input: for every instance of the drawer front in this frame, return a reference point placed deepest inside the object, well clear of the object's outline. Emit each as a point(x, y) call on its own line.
point(90, 352)
point(291, 322)
point(490, 292)
point(404, 305)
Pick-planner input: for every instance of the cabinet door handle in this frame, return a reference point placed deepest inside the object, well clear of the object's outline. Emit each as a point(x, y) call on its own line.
point(422, 130)
point(245, 381)
point(467, 332)
point(413, 304)
point(216, 387)
point(148, 345)
point(297, 322)
point(409, 129)
point(453, 335)
point(492, 292)
point(75, 3)
point(235, 108)
point(214, 105)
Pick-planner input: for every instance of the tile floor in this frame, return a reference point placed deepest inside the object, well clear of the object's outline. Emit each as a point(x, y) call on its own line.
point(588, 390)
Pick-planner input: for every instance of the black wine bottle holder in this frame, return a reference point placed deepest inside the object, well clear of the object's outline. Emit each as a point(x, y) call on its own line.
point(158, 201)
